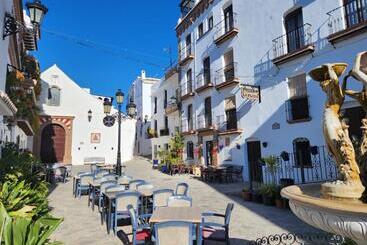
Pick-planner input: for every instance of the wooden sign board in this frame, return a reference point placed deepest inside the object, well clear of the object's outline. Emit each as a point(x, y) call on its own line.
point(250, 92)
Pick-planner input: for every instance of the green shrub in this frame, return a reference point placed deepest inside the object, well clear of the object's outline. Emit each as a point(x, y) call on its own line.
point(269, 190)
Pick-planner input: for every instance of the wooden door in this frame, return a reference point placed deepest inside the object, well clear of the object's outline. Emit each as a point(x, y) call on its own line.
point(253, 156)
point(53, 144)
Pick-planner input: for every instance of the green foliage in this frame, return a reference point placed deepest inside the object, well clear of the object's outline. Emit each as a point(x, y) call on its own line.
point(272, 165)
point(25, 231)
point(269, 190)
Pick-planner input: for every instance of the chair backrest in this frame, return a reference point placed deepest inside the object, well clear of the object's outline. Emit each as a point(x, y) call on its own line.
point(179, 201)
point(182, 189)
point(101, 173)
point(145, 189)
point(124, 180)
point(180, 230)
point(85, 179)
point(115, 188)
point(93, 168)
point(228, 213)
point(133, 217)
point(106, 184)
point(134, 183)
point(127, 198)
point(160, 197)
point(109, 176)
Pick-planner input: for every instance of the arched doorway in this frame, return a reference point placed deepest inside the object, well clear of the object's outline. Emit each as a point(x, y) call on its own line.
point(53, 143)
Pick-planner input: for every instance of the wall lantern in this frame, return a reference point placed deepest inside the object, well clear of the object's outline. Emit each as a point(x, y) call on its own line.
point(131, 109)
point(119, 97)
point(107, 104)
point(89, 115)
point(146, 119)
point(265, 144)
point(36, 11)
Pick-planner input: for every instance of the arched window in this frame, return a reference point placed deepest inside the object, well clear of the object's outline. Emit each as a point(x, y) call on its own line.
point(302, 152)
point(53, 98)
point(190, 150)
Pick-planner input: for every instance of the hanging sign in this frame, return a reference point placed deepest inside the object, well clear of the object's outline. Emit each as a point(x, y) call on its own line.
point(250, 92)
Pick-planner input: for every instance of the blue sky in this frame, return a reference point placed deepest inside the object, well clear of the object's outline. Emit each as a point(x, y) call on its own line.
point(105, 44)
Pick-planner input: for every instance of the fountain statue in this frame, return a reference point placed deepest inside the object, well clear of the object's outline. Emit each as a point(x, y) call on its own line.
point(336, 206)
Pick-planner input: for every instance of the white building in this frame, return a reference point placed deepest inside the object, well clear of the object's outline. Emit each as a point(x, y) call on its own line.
point(272, 46)
point(165, 120)
point(68, 133)
point(140, 94)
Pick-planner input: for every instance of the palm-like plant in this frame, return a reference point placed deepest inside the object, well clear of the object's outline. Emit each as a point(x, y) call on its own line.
point(272, 165)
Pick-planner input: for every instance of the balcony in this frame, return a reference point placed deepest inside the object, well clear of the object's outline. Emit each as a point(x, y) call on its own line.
point(227, 126)
point(293, 44)
point(187, 90)
point(297, 110)
point(185, 55)
point(171, 107)
point(164, 132)
point(151, 133)
point(347, 21)
point(203, 81)
point(205, 125)
point(227, 76)
point(226, 29)
point(187, 127)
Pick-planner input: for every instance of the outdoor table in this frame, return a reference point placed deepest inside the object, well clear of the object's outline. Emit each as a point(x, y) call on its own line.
point(76, 179)
point(108, 168)
point(110, 196)
point(187, 214)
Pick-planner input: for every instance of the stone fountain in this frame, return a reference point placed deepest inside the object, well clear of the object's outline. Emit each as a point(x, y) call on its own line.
point(336, 207)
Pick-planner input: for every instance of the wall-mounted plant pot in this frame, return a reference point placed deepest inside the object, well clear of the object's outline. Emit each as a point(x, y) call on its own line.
point(268, 200)
point(247, 195)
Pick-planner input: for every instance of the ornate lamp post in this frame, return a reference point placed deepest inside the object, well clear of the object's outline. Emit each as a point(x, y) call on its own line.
point(109, 120)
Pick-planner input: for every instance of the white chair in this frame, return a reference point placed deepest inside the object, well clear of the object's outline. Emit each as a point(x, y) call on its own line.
point(179, 201)
point(160, 197)
point(134, 183)
point(174, 232)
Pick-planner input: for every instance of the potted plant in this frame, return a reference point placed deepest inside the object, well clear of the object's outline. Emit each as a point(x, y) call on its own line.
point(272, 164)
point(256, 196)
point(246, 194)
point(268, 192)
point(279, 201)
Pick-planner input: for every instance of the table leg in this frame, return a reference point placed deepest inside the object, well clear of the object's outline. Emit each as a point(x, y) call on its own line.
point(108, 221)
point(93, 197)
point(89, 192)
point(198, 235)
point(73, 186)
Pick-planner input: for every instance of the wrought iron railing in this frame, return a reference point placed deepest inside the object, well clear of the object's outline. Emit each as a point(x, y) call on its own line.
point(300, 239)
point(226, 74)
point(225, 26)
point(347, 16)
point(292, 41)
point(204, 121)
point(185, 52)
point(224, 124)
point(187, 125)
point(297, 109)
point(321, 168)
point(187, 88)
point(203, 78)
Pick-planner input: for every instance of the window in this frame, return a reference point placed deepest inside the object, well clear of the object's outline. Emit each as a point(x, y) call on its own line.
point(190, 150)
point(155, 105)
point(297, 105)
point(231, 113)
point(229, 68)
point(188, 45)
point(206, 67)
point(355, 12)
point(189, 118)
point(155, 126)
point(302, 152)
point(165, 122)
point(294, 30)
point(201, 30)
point(189, 80)
point(228, 18)
point(165, 99)
point(210, 23)
point(208, 112)
point(54, 96)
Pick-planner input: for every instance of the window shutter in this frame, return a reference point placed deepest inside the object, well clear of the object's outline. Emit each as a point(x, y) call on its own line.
point(297, 86)
point(228, 58)
point(230, 103)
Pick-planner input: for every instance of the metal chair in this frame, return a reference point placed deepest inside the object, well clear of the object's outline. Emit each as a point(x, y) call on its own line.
point(212, 231)
point(83, 184)
point(179, 201)
point(140, 226)
point(134, 183)
point(60, 174)
point(101, 198)
point(93, 168)
point(160, 197)
point(181, 189)
point(109, 177)
point(146, 192)
point(122, 201)
point(178, 231)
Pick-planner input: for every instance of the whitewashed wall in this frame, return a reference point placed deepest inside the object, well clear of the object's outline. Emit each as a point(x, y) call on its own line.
point(76, 102)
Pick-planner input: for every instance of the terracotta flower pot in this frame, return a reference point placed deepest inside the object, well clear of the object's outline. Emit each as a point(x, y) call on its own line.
point(256, 197)
point(268, 200)
point(279, 203)
point(247, 195)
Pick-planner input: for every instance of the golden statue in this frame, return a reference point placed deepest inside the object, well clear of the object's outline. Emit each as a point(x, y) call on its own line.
point(336, 129)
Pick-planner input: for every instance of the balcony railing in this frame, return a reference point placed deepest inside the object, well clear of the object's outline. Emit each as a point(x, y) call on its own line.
point(223, 124)
point(203, 78)
point(164, 132)
point(185, 52)
point(292, 41)
point(204, 121)
point(350, 15)
point(297, 109)
point(187, 88)
point(226, 28)
point(226, 74)
point(187, 125)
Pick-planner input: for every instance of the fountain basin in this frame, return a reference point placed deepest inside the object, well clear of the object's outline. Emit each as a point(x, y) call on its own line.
point(344, 217)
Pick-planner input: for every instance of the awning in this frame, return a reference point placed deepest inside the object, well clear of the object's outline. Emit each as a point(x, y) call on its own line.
point(7, 107)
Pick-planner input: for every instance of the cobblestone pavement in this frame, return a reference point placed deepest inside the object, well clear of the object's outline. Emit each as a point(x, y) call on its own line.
point(249, 220)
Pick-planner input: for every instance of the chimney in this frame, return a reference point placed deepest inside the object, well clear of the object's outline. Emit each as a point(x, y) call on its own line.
point(143, 74)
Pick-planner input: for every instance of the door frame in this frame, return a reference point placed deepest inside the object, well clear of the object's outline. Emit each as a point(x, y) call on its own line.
point(250, 167)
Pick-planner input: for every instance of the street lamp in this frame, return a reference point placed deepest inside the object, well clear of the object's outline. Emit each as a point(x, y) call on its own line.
point(36, 12)
point(109, 120)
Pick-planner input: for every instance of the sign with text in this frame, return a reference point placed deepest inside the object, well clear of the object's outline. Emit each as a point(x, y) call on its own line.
point(250, 92)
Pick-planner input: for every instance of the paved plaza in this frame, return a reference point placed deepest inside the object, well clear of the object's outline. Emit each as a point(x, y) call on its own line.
point(248, 222)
